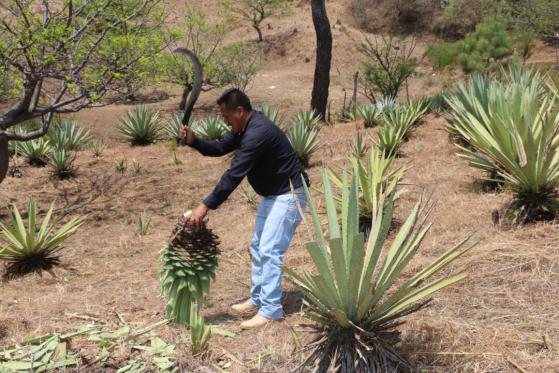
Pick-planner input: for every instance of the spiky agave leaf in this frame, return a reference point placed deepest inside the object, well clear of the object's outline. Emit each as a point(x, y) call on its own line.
point(140, 126)
point(35, 152)
point(375, 177)
point(173, 127)
point(189, 262)
point(66, 134)
point(516, 138)
point(304, 140)
point(212, 128)
point(200, 332)
point(310, 119)
point(28, 249)
point(354, 295)
point(370, 114)
point(271, 113)
point(62, 163)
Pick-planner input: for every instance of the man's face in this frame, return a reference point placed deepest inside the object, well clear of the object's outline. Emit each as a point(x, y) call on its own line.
point(233, 118)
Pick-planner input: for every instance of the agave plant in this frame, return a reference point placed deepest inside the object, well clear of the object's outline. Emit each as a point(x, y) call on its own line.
point(309, 119)
point(35, 152)
point(375, 177)
point(62, 163)
point(370, 114)
point(67, 135)
point(358, 147)
point(360, 289)
point(387, 105)
point(32, 249)
point(518, 139)
point(390, 137)
point(140, 126)
point(172, 129)
point(416, 110)
point(212, 128)
point(97, 148)
point(271, 113)
point(437, 103)
point(304, 141)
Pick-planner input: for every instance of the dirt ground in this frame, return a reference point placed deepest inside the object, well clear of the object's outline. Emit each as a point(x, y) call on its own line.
point(503, 318)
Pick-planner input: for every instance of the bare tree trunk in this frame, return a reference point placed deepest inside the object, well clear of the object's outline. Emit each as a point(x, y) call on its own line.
point(257, 28)
point(355, 83)
point(319, 99)
point(4, 157)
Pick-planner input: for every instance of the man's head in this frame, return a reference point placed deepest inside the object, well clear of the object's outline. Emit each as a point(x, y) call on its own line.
point(235, 107)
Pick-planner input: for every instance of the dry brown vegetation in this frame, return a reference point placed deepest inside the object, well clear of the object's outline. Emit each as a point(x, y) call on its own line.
point(503, 318)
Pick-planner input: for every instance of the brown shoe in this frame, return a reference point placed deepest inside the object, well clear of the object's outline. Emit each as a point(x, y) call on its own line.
point(258, 321)
point(246, 306)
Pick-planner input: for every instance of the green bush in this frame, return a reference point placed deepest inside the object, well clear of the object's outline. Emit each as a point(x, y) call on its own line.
point(442, 55)
point(484, 49)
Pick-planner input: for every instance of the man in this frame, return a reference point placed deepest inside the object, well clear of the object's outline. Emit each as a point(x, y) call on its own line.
point(266, 157)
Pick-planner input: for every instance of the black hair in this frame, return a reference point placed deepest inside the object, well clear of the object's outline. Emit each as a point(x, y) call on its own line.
point(233, 98)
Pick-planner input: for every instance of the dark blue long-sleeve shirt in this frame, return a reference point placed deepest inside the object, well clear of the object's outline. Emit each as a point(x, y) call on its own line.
point(264, 155)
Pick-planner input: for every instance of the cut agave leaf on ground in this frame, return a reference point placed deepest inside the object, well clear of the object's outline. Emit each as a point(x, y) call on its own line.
point(223, 332)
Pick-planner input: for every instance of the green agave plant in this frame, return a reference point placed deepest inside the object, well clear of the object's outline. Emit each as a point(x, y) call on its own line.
point(172, 129)
point(97, 148)
point(370, 114)
point(200, 332)
point(390, 138)
point(304, 140)
point(32, 249)
point(67, 135)
point(62, 163)
point(387, 105)
point(271, 113)
point(35, 152)
point(173, 126)
point(397, 125)
point(309, 119)
point(358, 293)
point(375, 178)
point(140, 126)
point(212, 128)
point(437, 103)
point(358, 147)
point(518, 139)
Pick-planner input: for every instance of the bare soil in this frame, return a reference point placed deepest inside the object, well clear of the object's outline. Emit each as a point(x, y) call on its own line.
point(502, 318)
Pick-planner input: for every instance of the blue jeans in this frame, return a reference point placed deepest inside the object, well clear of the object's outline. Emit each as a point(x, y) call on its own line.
point(276, 221)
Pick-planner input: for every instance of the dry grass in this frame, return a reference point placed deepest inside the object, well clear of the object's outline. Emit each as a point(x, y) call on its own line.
point(502, 318)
